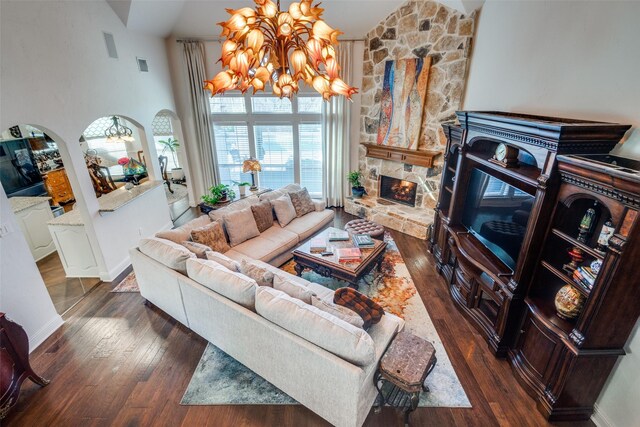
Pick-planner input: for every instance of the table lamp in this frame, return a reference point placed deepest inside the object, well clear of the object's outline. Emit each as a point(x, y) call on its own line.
point(253, 166)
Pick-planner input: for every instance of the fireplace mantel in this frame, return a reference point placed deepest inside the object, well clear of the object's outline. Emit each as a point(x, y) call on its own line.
point(422, 158)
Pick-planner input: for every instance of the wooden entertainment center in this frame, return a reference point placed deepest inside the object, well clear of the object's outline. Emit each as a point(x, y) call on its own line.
point(518, 223)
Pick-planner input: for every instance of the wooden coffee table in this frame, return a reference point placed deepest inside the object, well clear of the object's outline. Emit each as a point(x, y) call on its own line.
point(329, 266)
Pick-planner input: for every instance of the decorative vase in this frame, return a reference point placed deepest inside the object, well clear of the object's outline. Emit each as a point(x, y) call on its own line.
point(242, 189)
point(128, 186)
point(576, 255)
point(569, 302)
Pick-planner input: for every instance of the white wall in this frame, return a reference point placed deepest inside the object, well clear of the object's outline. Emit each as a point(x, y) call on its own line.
point(572, 59)
point(55, 74)
point(23, 295)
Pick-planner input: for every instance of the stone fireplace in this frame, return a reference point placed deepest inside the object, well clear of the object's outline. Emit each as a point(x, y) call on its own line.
point(397, 190)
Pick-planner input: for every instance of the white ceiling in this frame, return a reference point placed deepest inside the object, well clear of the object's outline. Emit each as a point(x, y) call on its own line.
point(198, 18)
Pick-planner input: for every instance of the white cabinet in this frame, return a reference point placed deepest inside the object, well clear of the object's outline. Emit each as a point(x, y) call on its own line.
point(33, 223)
point(74, 247)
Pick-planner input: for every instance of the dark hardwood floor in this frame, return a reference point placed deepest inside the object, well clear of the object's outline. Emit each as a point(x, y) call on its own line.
point(119, 362)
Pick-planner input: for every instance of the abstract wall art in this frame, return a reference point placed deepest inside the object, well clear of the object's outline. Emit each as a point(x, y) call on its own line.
point(404, 92)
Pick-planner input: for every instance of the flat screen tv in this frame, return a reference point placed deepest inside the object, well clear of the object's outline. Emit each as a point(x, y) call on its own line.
point(497, 214)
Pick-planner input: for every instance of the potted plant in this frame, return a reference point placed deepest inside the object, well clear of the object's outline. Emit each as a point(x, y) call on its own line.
point(242, 187)
point(357, 190)
point(171, 145)
point(220, 193)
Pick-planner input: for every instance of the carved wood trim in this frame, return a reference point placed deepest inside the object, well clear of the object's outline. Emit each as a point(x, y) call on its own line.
point(424, 158)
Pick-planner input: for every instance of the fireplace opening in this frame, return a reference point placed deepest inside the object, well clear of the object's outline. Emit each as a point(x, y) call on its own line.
point(397, 190)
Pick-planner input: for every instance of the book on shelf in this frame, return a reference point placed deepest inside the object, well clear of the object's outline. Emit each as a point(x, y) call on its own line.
point(587, 275)
point(318, 244)
point(363, 241)
point(579, 279)
point(348, 254)
point(340, 235)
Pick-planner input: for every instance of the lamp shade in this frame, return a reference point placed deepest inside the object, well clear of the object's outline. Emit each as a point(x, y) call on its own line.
point(251, 165)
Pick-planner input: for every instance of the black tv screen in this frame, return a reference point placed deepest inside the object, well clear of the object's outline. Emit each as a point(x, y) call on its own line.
point(497, 214)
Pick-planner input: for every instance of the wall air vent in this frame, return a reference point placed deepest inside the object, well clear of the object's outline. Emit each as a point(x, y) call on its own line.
point(111, 45)
point(142, 65)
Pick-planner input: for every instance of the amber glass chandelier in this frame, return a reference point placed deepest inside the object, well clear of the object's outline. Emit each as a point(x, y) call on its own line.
point(267, 45)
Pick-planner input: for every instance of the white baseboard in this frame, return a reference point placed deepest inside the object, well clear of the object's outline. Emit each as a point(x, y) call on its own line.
point(45, 332)
point(112, 274)
point(600, 419)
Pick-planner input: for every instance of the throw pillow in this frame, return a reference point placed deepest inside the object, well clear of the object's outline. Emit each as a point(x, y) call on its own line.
point(197, 248)
point(302, 202)
point(290, 188)
point(183, 233)
point(340, 312)
point(211, 235)
point(285, 212)
point(241, 226)
point(261, 275)
point(369, 310)
point(166, 252)
point(271, 195)
point(263, 214)
point(234, 206)
point(294, 290)
point(223, 260)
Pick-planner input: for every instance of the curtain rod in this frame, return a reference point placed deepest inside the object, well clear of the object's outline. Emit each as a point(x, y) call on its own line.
point(217, 39)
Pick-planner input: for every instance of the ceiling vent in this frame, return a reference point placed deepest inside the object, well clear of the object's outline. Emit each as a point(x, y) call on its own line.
point(142, 65)
point(111, 45)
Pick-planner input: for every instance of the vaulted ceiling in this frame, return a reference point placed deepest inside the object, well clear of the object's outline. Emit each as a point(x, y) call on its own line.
point(198, 18)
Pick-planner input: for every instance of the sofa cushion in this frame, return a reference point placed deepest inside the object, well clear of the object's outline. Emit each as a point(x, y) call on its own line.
point(211, 235)
point(310, 224)
point(293, 289)
point(268, 245)
point(183, 233)
point(235, 286)
point(302, 203)
point(263, 214)
point(235, 206)
point(370, 311)
point(320, 205)
point(240, 225)
point(314, 325)
point(289, 188)
point(197, 248)
point(261, 275)
point(166, 252)
point(223, 260)
point(340, 312)
point(285, 212)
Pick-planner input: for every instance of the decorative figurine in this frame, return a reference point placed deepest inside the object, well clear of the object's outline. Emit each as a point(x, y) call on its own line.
point(569, 302)
point(586, 224)
point(575, 254)
point(605, 234)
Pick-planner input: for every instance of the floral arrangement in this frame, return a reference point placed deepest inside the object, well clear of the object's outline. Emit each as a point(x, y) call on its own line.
point(123, 161)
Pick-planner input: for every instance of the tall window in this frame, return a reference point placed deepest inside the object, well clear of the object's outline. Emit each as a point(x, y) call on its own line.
point(285, 136)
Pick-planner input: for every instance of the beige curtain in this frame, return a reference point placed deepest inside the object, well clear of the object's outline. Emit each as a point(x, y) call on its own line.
point(194, 62)
point(336, 120)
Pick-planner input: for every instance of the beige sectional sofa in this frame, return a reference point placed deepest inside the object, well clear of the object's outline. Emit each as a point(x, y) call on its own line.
point(323, 362)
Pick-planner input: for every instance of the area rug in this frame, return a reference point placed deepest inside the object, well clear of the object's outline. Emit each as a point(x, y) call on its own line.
point(221, 380)
point(128, 284)
point(179, 193)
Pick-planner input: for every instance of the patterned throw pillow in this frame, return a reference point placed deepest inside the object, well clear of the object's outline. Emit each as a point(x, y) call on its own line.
point(261, 275)
point(197, 248)
point(263, 214)
point(211, 235)
point(369, 310)
point(339, 311)
point(302, 202)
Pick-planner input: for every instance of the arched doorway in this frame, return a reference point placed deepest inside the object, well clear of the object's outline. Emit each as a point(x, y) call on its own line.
point(35, 179)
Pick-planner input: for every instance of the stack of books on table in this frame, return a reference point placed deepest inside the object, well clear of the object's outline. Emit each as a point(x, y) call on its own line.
point(349, 254)
point(584, 277)
point(318, 244)
point(338, 236)
point(363, 241)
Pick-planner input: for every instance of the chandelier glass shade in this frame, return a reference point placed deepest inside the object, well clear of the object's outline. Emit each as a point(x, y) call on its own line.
point(268, 46)
point(118, 132)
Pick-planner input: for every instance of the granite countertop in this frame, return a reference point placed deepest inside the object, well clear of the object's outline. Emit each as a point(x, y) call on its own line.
point(118, 198)
point(18, 204)
point(69, 218)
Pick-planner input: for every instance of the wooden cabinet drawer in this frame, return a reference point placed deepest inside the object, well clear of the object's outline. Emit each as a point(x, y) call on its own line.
point(537, 348)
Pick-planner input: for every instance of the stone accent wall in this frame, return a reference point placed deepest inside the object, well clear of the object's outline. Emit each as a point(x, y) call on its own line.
point(416, 29)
